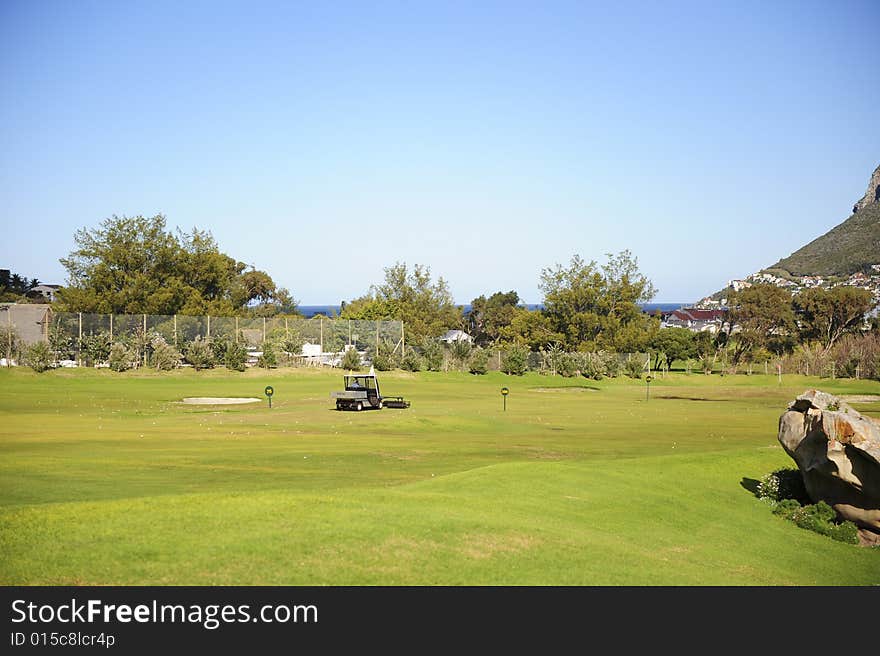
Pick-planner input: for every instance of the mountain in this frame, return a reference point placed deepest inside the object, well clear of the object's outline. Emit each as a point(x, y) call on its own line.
point(848, 254)
point(850, 247)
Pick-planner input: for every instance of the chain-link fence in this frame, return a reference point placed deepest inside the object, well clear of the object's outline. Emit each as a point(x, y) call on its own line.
point(75, 338)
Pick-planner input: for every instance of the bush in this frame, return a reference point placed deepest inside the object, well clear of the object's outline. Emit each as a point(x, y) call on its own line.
point(819, 518)
point(60, 343)
point(381, 362)
point(593, 365)
point(412, 361)
point(634, 365)
point(460, 352)
point(10, 344)
point(432, 352)
point(783, 484)
point(38, 357)
point(515, 360)
point(267, 359)
point(479, 362)
point(121, 357)
point(351, 360)
point(95, 349)
point(165, 357)
point(235, 356)
point(199, 354)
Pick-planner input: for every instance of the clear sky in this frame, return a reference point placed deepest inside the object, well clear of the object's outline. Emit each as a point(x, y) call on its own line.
point(324, 141)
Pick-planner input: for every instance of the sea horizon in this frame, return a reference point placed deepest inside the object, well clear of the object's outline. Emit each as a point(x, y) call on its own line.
point(309, 311)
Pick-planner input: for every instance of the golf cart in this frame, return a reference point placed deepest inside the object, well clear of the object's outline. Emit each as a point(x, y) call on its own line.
point(362, 393)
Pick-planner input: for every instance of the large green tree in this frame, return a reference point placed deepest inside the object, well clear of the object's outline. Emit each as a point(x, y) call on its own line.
point(410, 295)
point(672, 344)
point(133, 265)
point(487, 317)
point(595, 307)
point(825, 315)
point(759, 316)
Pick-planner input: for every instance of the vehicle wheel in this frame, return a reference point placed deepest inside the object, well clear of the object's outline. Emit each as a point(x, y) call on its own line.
point(380, 405)
point(359, 406)
point(338, 406)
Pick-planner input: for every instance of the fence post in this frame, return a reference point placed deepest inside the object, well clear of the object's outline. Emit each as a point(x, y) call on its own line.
point(9, 335)
point(208, 336)
point(402, 341)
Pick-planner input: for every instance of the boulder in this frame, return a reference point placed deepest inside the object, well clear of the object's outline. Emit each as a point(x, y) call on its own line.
point(837, 450)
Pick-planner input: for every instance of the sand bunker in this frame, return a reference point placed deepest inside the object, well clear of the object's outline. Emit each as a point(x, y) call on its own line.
point(564, 390)
point(219, 400)
point(860, 398)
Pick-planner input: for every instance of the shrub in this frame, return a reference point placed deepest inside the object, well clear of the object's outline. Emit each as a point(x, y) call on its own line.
point(10, 344)
point(381, 362)
point(460, 352)
point(267, 359)
point(60, 343)
point(95, 348)
point(235, 356)
point(593, 365)
point(432, 352)
point(819, 518)
point(479, 362)
point(165, 357)
point(612, 364)
point(351, 360)
point(515, 360)
point(412, 361)
point(121, 357)
point(783, 484)
point(634, 365)
point(199, 354)
point(38, 357)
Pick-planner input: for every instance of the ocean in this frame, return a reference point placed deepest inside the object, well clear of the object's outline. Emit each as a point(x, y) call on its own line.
point(310, 311)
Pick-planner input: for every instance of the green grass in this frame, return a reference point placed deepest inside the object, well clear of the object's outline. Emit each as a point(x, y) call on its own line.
point(106, 479)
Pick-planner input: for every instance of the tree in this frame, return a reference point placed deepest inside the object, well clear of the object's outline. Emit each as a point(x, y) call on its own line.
point(133, 265)
point(15, 288)
point(826, 315)
point(531, 328)
point(673, 344)
point(488, 316)
point(593, 307)
point(761, 315)
point(515, 360)
point(426, 307)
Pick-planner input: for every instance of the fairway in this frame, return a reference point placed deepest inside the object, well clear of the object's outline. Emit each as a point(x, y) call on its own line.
point(109, 479)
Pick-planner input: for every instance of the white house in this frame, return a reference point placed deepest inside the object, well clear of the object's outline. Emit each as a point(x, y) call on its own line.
point(456, 336)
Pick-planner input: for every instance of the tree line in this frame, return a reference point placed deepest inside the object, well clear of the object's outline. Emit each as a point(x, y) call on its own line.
point(136, 266)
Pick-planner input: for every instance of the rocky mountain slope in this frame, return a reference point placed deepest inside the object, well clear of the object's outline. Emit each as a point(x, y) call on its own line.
point(848, 254)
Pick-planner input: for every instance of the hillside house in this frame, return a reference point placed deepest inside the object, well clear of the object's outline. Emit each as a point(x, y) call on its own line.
point(696, 320)
point(44, 292)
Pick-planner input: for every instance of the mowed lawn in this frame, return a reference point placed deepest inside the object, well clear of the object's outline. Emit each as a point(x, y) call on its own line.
point(107, 479)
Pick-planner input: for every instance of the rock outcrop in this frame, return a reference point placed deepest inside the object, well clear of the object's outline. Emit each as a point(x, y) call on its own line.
point(837, 450)
point(873, 193)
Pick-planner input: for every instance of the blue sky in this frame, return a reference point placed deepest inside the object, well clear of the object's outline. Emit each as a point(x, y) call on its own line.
point(324, 141)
